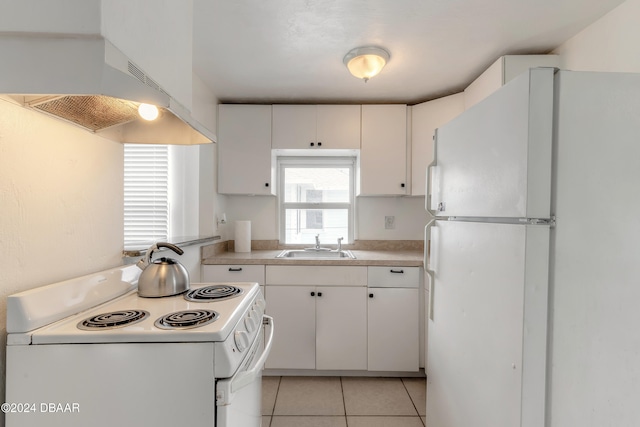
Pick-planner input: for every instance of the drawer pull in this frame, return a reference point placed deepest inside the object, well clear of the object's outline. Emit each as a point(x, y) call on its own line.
point(313, 294)
point(235, 269)
point(397, 271)
point(370, 295)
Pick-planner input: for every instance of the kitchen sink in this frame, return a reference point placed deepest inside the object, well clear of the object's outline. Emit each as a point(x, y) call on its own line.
point(315, 254)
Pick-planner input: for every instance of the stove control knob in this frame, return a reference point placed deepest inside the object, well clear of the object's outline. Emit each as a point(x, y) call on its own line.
point(249, 322)
point(259, 309)
point(242, 340)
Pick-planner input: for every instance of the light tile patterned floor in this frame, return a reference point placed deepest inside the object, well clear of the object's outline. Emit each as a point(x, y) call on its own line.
point(343, 402)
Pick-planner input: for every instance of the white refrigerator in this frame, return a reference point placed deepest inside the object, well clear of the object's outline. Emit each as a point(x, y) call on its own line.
point(534, 256)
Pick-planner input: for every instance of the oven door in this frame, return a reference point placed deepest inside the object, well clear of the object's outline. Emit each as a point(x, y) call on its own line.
point(239, 398)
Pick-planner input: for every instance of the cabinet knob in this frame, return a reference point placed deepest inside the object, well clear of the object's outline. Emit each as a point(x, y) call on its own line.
point(266, 184)
point(319, 144)
point(313, 294)
point(402, 185)
point(311, 144)
point(370, 295)
point(319, 294)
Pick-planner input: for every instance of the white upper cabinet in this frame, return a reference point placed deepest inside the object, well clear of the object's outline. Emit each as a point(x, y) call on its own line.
point(425, 119)
point(502, 71)
point(244, 150)
point(383, 155)
point(316, 126)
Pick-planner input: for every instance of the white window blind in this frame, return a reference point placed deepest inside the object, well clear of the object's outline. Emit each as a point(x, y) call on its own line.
point(146, 193)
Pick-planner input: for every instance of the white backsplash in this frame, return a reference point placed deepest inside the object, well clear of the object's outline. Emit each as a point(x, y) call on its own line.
point(409, 213)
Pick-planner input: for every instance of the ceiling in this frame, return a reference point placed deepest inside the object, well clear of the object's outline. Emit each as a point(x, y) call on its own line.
point(279, 51)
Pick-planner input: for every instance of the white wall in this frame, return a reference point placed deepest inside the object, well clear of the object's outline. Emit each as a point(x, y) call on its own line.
point(184, 190)
point(610, 44)
point(51, 17)
point(410, 218)
point(61, 203)
point(262, 211)
point(205, 110)
point(158, 37)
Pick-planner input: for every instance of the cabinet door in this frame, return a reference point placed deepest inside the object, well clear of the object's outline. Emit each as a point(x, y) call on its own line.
point(383, 155)
point(341, 328)
point(501, 72)
point(338, 126)
point(393, 329)
point(425, 119)
point(294, 126)
point(244, 149)
point(294, 313)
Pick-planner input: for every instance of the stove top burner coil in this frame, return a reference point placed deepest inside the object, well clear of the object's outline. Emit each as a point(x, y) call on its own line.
point(112, 320)
point(213, 292)
point(186, 319)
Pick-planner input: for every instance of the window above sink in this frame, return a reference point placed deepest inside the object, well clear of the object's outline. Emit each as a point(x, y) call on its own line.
point(316, 198)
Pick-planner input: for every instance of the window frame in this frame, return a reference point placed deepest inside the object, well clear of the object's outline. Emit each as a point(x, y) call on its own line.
point(284, 162)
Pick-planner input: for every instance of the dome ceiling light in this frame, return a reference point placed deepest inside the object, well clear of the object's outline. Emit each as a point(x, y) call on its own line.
point(366, 62)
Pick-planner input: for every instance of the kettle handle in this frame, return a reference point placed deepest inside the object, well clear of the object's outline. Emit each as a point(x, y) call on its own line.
point(157, 246)
point(174, 248)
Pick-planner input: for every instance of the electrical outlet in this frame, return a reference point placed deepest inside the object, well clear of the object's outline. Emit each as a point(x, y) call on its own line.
point(389, 222)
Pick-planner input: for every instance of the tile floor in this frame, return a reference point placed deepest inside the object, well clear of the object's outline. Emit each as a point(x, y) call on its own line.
point(343, 402)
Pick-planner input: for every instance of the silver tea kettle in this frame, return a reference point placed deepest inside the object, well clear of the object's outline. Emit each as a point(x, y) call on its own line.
point(164, 276)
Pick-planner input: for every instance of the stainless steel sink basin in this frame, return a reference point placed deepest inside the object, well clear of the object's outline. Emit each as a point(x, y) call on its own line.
point(315, 254)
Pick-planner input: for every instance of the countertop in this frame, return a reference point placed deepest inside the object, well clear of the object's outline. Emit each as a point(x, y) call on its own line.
point(400, 258)
point(139, 249)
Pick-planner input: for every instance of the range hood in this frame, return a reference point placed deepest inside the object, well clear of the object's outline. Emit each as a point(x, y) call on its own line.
point(88, 82)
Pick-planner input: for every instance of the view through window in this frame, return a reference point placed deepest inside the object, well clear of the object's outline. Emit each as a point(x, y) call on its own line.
point(316, 198)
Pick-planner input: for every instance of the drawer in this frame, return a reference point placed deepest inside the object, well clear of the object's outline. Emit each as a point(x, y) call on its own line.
point(233, 273)
point(316, 275)
point(394, 277)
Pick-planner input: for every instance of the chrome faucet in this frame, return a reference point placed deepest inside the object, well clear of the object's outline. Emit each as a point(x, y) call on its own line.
point(317, 242)
point(339, 244)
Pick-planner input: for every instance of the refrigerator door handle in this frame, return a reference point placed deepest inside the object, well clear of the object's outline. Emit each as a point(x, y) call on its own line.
point(433, 164)
point(428, 263)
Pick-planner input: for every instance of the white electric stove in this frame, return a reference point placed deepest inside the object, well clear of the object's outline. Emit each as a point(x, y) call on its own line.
point(90, 351)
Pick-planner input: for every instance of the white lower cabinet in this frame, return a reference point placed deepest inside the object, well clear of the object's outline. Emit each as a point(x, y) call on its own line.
point(393, 319)
point(293, 309)
point(341, 328)
point(320, 317)
point(393, 330)
point(318, 327)
point(344, 318)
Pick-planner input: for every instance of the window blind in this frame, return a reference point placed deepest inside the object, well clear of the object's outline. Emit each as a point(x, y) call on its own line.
point(146, 193)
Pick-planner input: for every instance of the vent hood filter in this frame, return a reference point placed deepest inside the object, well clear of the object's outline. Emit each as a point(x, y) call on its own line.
point(89, 82)
point(92, 112)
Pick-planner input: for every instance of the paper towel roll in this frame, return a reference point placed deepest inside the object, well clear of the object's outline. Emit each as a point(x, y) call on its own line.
point(243, 236)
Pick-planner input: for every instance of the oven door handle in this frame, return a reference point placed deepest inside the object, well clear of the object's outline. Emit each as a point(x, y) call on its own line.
point(241, 379)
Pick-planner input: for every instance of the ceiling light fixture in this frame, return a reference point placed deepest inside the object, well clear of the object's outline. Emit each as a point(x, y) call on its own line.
point(148, 112)
point(366, 62)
